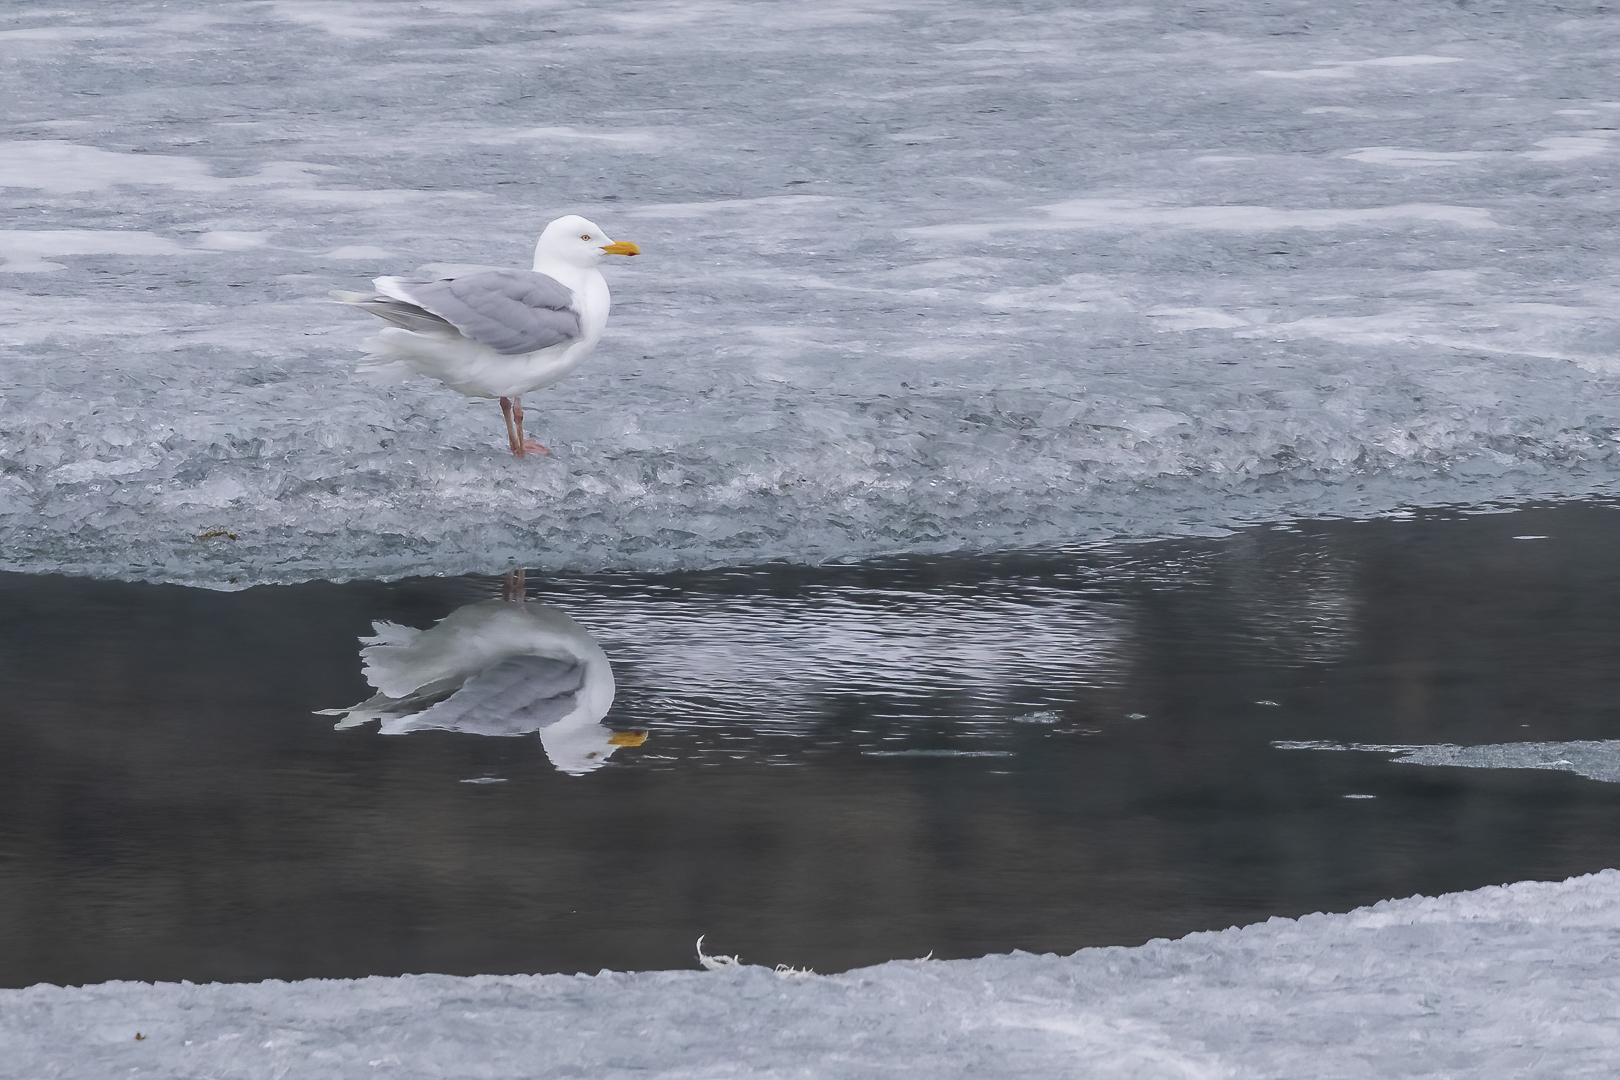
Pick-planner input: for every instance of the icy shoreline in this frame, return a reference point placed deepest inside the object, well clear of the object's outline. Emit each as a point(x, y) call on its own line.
point(1516, 980)
point(917, 277)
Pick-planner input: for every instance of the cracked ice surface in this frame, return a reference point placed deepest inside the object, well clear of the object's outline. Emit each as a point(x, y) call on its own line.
point(919, 276)
point(1503, 981)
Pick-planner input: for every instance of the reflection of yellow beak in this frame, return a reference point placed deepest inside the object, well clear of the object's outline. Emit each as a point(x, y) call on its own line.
point(620, 247)
point(627, 738)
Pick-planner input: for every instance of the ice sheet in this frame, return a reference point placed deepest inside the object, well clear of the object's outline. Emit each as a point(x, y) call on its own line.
point(1595, 759)
point(917, 276)
point(1514, 981)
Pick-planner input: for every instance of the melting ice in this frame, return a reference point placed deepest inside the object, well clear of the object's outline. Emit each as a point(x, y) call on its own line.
point(1502, 981)
point(917, 278)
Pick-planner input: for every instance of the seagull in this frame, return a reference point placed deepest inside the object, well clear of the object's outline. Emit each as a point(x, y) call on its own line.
point(505, 667)
point(498, 333)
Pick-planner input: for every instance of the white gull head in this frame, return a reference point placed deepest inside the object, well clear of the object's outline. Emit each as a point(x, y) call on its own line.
point(577, 241)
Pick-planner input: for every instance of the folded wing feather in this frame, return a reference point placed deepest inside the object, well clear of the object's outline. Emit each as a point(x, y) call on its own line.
point(519, 695)
point(510, 311)
point(398, 312)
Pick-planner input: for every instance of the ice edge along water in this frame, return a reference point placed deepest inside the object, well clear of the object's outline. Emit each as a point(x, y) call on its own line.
point(1595, 759)
point(1404, 988)
point(917, 278)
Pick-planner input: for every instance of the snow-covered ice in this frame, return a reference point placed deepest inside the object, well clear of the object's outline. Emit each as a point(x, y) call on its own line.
point(1515, 981)
point(919, 275)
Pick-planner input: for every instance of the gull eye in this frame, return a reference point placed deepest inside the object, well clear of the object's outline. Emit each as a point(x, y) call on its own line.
point(585, 236)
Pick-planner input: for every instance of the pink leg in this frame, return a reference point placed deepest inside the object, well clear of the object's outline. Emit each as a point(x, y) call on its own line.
point(514, 588)
point(523, 446)
point(511, 431)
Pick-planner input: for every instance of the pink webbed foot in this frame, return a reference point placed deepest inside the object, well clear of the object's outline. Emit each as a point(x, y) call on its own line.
point(521, 446)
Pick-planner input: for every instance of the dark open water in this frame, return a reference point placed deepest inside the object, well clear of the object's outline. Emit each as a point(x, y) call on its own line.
point(841, 766)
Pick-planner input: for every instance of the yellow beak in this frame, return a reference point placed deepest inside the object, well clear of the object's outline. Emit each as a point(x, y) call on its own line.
point(627, 738)
point(621, 247)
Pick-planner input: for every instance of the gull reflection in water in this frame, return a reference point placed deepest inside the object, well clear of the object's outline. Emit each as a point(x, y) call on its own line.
point(500, 667)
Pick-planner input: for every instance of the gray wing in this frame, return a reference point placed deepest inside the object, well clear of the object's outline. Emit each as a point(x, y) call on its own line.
point(519, 695)
point(511, 311)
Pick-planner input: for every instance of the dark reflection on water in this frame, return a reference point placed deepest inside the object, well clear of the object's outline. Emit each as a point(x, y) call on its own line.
point(842, 765)
point(501, 667)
